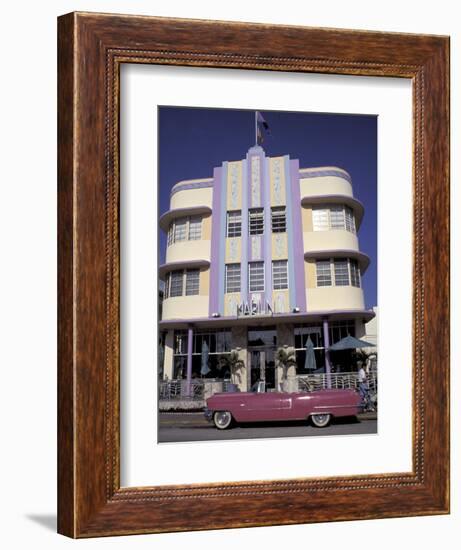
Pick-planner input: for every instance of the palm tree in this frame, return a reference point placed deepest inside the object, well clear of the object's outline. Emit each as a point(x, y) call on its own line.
point(286, 357)
point(233, 362)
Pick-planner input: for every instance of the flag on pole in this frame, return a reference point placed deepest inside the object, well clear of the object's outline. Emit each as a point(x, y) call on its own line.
point(261, 125)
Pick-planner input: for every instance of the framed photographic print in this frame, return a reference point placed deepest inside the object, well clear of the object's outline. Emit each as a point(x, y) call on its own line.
point(253, 275)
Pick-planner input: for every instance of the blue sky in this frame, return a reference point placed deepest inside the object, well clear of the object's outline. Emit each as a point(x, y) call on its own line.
point(192, 141)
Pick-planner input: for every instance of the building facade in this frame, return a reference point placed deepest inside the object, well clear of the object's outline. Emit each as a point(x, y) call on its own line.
point(263, 255)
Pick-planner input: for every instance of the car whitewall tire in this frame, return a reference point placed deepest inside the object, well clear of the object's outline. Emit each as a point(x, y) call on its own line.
point(222, 419)
point(321, 420)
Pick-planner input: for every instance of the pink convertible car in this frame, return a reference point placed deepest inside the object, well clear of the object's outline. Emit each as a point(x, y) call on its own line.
point(318, 406)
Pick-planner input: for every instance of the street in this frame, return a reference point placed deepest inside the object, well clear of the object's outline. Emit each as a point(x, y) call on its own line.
point(179, 427)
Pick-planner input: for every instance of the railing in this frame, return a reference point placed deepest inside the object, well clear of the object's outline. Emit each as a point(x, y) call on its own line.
point(200, 389)
point(341, 380)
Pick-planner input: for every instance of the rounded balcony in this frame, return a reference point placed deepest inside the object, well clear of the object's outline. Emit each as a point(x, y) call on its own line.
point(195, 234)
point(186, 289)
point(329, 241)
point(185, 307)
point(189, 193)
point(325, 180)
point(334, 298)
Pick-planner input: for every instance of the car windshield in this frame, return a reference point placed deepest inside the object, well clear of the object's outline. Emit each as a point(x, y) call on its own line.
point(258, 387)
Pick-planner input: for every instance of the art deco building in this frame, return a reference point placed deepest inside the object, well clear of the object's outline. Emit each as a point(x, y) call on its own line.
point(263, 254)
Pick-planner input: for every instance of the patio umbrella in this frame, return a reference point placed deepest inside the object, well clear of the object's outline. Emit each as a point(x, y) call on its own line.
point(349, 342)
point(310, 363)
point(205, 352)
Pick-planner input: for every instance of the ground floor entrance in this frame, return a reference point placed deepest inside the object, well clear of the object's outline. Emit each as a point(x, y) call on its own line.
point(243, 354)
point(262, 367)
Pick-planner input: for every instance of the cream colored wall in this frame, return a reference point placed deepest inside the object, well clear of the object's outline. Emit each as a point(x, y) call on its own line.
point(325, 185)
point(280, 301)
point(231, 302)
point(310, 274)
point(168, 356)
point(192, 197)
point(204, 288)
point(233, 250)
point(234, 193)
point(330, 240)
point(306, 217)
point(185, 307)
point(206, 228)
point(188, 250)
point(334, 297)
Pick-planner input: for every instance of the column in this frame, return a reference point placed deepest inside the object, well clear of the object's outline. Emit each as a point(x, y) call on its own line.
point(326, 343)
point(190, 342)
point(239, 344)
point(168, 356)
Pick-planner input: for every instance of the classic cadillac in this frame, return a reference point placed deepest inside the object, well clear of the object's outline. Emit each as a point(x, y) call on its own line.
point(319, 406)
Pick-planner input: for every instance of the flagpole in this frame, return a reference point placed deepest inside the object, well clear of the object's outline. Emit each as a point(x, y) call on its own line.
point(256, 127)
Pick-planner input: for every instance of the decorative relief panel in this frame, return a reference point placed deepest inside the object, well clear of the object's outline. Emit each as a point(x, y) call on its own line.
point(277, 182)
point(280, 245)
point(234, 173)
point(255, 181)
point(279, 304)
point(232, 305)
point(255, 247)
point(233, 250)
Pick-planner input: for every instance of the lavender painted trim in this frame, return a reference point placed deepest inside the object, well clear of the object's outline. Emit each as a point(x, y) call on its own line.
point(290, 230)
point(244, 238)
point(222, 238)
point(191, 185)
point(267, 248)
point(298, 244)
point(365, 314)
point(213, 303)
point(190, 339)
point(326, 345)
point(323, 173)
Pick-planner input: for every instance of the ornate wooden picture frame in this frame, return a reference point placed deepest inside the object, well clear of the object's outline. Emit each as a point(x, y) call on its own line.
point(92, 48)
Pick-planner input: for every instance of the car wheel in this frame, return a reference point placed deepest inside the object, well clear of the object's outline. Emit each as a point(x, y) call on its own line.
point(320, 420)
point(222, 419)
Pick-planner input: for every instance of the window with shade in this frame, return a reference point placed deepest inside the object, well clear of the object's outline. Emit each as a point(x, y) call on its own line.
point(234, 223)
point(280, 274)
point(341, 272)
point(338, 272)
point(192, 282)
point(185, 229)
point(256, 276)
point(184, 282)
point(256, 221)
point(232, 283)
point(195, 228)
point(176, 283)
point(279, 219)
point(323, 272)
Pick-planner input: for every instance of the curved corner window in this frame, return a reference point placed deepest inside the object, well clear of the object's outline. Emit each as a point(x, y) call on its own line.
point(333, 218)
point(338, 272)
point(185, 229)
